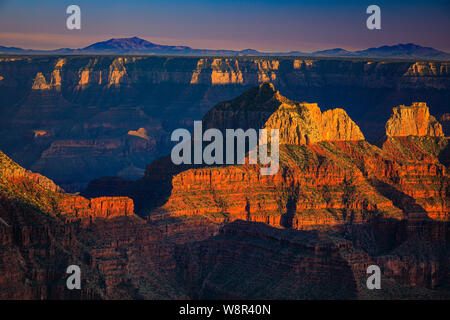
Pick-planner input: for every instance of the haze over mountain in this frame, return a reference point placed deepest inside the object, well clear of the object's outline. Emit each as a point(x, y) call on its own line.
point(137, 45)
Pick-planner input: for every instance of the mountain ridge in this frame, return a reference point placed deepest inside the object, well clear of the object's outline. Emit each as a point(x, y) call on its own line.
point(136, 45)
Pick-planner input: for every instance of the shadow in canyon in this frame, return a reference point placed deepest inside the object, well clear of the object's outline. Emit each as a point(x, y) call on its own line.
point(400, 199)
point(154, 189)
point(291, 209)
point(295, 264)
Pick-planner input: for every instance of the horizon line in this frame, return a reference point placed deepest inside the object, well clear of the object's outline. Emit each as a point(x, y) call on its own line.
point(323, 48)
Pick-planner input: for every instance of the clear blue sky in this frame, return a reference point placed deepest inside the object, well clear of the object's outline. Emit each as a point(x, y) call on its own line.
point(280, 25)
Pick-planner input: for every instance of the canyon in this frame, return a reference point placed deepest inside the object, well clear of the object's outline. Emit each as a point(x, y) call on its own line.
point(338, 204)
point(77, 118)
point(333, 173)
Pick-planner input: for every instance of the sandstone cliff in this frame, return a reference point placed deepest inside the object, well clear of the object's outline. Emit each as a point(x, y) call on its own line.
point(413, 120)
point(328, 174)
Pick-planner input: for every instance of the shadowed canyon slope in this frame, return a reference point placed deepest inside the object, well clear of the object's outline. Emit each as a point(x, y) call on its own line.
point(76, 118)
point(413, 120)
point(337, 205)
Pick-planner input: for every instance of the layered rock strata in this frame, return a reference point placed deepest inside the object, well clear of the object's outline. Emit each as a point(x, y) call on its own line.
point(87, 105)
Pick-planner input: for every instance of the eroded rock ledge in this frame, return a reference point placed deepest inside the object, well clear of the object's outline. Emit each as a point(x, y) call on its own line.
point(413, 120)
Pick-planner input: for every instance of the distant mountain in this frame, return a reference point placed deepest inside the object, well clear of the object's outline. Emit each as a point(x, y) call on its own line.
point(399, 51)
point(337, 52)
point(12, 50)
point(408, 50)
point(137, 45)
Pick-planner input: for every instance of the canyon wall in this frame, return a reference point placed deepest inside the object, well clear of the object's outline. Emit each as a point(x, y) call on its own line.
point(253, 261)
point(43, 231)
point(353, 204)
point(413, 120)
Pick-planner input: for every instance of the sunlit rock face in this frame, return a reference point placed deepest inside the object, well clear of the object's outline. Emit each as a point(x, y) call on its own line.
point(413, 120)
point(44, 230)
point(298, 122)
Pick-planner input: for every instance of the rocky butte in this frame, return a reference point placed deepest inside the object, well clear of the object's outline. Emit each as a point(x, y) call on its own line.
point(298, 122)
point(414, 120)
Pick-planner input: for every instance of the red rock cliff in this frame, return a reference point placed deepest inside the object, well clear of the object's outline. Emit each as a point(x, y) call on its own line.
point(320, 182)
point(413, 120)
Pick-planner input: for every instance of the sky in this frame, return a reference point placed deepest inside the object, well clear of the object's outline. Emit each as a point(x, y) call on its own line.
point(271, 26)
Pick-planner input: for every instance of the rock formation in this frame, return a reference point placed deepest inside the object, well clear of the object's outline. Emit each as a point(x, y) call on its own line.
point(377, 201)
point(246, 259)
point(43, 231)
point(141, 132)
point(413, 120)
point(39, 82)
